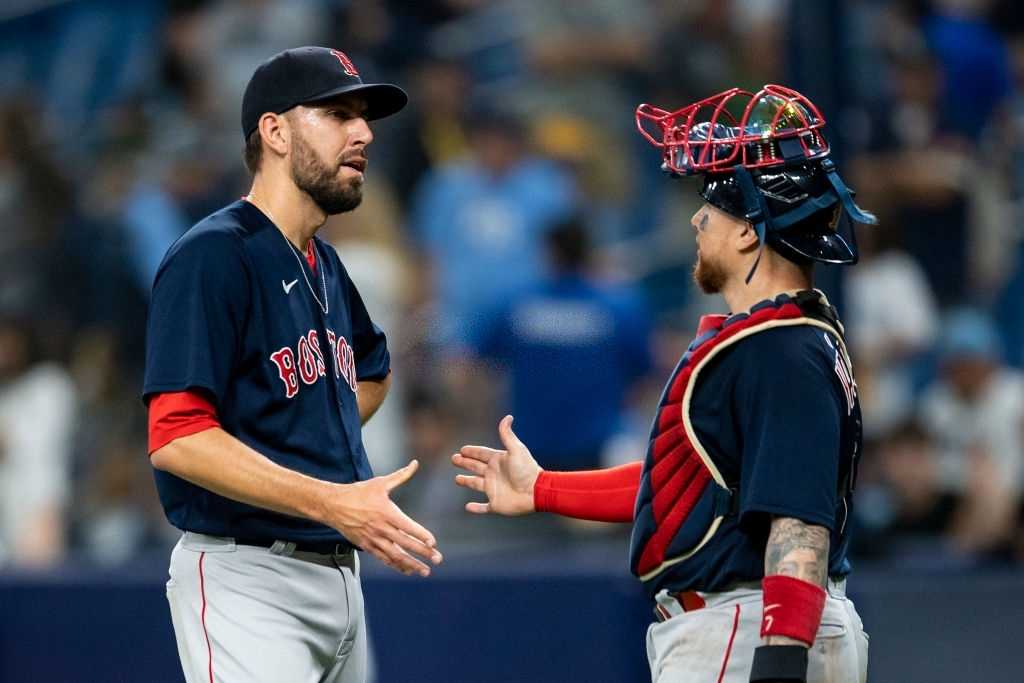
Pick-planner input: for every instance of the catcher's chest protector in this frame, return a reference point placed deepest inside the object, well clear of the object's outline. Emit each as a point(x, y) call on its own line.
point(683, 497)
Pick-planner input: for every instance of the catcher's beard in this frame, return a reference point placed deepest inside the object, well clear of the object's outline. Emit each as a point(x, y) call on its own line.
point(321, 183)
point(708, 275)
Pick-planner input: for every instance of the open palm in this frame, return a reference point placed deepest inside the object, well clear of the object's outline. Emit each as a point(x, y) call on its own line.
point(506, 477)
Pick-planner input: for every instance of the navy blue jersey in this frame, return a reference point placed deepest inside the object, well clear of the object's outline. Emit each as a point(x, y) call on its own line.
point(777, 412)
point(595, 338)
point(238, 314)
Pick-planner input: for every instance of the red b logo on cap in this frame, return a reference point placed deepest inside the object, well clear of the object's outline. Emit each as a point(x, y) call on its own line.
point(346, 63)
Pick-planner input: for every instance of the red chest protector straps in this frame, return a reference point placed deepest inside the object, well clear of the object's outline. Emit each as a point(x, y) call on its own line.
point(683, 496)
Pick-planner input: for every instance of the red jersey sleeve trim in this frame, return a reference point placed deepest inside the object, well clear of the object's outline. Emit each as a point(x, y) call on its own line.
point(173, 415)
point(607, 495)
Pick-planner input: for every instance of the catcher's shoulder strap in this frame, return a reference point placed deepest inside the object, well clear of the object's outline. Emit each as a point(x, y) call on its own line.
point(815, 305)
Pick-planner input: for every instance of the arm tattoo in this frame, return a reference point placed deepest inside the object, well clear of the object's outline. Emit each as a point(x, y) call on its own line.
point(797, 549)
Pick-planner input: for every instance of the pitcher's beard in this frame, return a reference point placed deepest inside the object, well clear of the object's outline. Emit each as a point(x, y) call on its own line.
point(316, 179)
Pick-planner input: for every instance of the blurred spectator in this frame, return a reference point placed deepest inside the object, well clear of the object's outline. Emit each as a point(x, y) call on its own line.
point(120, 515)
point(974, 62)
point(1010, 308)
point(37, 413)
point(584, 57)
point(892, 320)
point(433, 436)
point(481, 221)
point(707, 46)
point(917, 176)
point(903, 501)
point(77, 58)
point(108, 297)
point(484, 35)
point(599, 170)
point(574, 347)
point(179, 185)
point(1006, 148)
point(115, 512)
point(975, 414)
point(586, 67)
point(35, 201)
point(1011, 133)
point(223, 42)
point(430, 132)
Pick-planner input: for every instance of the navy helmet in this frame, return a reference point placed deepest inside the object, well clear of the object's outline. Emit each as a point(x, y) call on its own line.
point(764, 159)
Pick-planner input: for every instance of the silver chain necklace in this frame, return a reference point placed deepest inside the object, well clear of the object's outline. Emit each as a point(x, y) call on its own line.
point(323, 279)
point(324, 305)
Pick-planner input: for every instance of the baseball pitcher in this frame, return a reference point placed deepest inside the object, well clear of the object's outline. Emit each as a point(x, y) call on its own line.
point(261, 366)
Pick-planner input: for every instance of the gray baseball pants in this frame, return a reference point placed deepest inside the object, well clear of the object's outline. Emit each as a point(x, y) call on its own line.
point(266, 615)
point(715, 644)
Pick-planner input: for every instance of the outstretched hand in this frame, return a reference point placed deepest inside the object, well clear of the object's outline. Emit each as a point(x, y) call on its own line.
point(506, 477)
point(370, 519)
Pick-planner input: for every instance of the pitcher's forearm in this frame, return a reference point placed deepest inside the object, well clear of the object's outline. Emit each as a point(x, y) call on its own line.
point(217, 461)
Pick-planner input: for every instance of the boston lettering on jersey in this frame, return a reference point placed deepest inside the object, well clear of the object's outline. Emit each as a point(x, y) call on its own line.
point(307, 362)
point(755, 421)
point(234, 315)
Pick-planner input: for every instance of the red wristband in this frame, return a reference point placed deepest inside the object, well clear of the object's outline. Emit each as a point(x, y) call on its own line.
point(792, 608)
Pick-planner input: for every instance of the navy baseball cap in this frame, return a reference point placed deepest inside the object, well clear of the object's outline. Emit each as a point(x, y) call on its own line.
point(306, 75)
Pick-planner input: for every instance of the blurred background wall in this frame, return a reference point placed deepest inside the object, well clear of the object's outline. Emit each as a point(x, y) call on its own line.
point(511, 196)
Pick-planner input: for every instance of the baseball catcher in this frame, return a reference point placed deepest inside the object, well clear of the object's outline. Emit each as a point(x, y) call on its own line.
point(740, 507)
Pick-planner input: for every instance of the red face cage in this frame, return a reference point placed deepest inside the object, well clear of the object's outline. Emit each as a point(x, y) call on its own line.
point(772, 127)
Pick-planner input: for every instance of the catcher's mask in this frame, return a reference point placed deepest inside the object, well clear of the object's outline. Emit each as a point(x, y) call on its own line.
point(764, 160)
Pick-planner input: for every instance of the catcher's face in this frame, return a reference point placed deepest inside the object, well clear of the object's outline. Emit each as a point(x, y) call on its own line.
point(712, 228)
point(328, 152)
point(725, 247)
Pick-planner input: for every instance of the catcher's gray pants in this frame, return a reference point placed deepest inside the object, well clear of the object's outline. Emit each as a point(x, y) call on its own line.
point(715, 644)
point(266, 615)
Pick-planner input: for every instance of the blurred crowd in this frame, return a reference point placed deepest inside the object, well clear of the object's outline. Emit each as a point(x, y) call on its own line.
point(517, 240)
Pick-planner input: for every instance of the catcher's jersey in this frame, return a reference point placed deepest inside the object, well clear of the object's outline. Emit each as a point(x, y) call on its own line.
point(237, 313)
point(777, 413)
